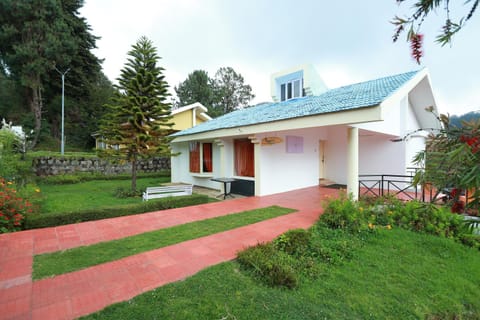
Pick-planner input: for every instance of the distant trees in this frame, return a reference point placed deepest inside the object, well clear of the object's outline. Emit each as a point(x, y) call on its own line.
point(198, 87)
point(36, 36)
point(422, 8)
point(222, 94)
point(467, 117)
point(231, 92)
point(139, 118)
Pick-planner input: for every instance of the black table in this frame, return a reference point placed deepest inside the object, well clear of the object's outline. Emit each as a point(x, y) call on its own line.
point(225, 181)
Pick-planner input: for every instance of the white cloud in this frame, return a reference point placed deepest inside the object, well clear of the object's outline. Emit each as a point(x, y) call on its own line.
point(347, 43)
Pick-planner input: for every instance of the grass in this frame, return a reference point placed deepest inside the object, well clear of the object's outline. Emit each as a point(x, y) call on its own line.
point(397, 274)
point(90, 194)
point(82, 257)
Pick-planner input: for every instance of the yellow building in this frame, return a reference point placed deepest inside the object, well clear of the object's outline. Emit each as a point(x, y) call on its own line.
point(183, 118)
point(189, 116)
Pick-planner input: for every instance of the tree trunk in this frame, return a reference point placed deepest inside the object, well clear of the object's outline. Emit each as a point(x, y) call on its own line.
point(36, 108)
point(134, 174)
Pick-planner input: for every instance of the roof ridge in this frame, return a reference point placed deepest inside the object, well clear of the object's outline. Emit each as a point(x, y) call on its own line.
point(378, 79)
point(354, 96)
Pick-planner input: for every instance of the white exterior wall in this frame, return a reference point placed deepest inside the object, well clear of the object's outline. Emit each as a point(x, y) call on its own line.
point(336, 155)
point(282, 171)
point(413, 146)
point(393, 121)
point(180, 167)
point(414, 142)
point(379, 155)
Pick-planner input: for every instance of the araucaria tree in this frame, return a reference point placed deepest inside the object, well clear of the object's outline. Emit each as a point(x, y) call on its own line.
point(139, 118)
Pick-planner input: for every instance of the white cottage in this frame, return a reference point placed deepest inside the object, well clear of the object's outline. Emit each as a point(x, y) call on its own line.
point(305, 138)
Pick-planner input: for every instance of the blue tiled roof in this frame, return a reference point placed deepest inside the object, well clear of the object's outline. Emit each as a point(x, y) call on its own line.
point(360, 95)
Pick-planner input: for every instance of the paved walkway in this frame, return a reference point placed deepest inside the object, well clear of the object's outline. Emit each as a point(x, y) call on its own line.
point(82, 292)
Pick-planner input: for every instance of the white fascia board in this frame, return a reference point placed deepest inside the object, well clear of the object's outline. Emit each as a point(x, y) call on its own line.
point(196, 105)
point(205, 116)
point(405, 89)
point(348, 117)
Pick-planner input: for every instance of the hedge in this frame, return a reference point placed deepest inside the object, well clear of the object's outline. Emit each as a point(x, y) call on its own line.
point(36, 221)
point(82, 177)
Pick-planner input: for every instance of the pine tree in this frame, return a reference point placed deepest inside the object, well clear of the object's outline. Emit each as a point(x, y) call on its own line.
point(139, 118)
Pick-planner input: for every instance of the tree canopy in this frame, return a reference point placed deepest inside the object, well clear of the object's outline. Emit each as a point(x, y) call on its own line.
point(35, 37)
point(222, 94)
point(138, 120)
point(230, 90)
point(421, 10)
point(198, 87)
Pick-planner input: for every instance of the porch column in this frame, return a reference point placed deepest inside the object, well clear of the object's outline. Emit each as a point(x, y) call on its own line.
point(221, 147)
point(256, 155)
point(352, 154)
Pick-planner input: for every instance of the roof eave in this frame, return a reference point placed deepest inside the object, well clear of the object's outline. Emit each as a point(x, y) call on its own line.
point(345, 117)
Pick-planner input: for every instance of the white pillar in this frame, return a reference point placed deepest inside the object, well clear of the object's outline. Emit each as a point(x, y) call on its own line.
point(221, 147)
point(352, 154)
point(257, 170)
point(257, 154)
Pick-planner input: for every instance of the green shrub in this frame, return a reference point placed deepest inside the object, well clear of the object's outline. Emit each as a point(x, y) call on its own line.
point(271, 266)
point(123, 193)
point(429, 218)
point(293, 242)
point(298, 253)
point(343, 213)
point(471, 240)
point(55, 219)
point(332, 246)
point(33, 194)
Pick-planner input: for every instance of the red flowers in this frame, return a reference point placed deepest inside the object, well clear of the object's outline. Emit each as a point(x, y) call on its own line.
point(12, 208)
point(416, 40)
point(473, 142)
point(458, 207)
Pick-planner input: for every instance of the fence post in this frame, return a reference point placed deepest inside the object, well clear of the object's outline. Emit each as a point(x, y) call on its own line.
point(381, 185)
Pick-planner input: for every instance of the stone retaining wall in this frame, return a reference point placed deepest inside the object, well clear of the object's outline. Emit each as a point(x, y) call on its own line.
point(48, 166)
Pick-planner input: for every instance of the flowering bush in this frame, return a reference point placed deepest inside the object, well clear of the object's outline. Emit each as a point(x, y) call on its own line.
point(12, 208)
point(452, 161)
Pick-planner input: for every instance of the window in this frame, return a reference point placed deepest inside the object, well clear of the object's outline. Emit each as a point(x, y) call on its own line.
point(244, 158)
point(200, 153)
point(294, 144)
point(290, 90)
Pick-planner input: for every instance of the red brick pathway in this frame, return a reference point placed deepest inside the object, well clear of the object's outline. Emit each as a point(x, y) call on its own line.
point(82, 292)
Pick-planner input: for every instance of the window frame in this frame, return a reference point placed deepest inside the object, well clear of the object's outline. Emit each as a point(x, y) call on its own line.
point(291, 89)
point(250, 167)
point(203, 162)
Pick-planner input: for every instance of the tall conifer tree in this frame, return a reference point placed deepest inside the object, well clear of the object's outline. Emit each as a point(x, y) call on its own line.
point(139, 118)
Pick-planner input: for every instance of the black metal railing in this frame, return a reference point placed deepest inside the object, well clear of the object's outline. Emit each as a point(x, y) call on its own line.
point(378, 185)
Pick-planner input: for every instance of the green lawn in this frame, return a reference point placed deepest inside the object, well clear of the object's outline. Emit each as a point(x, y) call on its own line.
point(91, 194)
point(60, 262)
point(396, 274)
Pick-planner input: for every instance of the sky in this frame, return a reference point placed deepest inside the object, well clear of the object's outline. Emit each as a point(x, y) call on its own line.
point(346, 41)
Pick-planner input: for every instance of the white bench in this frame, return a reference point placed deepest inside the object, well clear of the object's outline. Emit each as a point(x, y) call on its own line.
point(167, 191)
